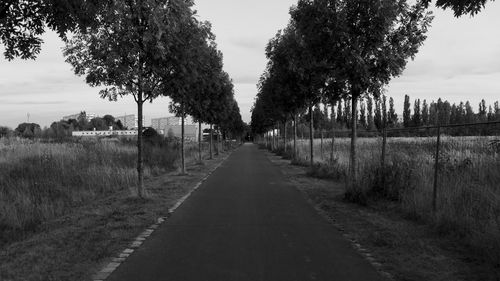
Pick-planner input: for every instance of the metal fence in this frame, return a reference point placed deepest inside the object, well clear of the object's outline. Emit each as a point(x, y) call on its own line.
point(432, 135)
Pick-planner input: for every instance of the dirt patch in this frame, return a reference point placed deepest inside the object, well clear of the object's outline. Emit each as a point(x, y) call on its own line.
point(406, 249)
point(76, 246)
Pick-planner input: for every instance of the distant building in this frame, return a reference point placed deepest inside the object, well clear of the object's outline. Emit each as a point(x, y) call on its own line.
point(190, 132)
point(128, 121)
point(171, 127)
point(159, 123)
point(88, 116)
point(104, 133)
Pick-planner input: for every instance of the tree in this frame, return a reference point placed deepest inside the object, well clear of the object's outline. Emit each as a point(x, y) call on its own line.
point(294, 64)
point(364, 44)
point(425, 113)
point(201, 65)
point(496, 107)
point(130, 53)
point(5, 132)
point(98, 124)
point(482, 114)
point(384, 111)
point(491, 115)
point(392, 116)
point(406, 112)
point(378, 114)
point(28, 130)
point(417, 116)
point(369, 105)
point(469, 113)
point(22, 22)
point(340, 116)
point(362, 114)
point(209, 88)
point(461, 7)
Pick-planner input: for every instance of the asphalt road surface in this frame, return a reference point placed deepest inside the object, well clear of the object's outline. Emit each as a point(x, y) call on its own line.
point(246, 223)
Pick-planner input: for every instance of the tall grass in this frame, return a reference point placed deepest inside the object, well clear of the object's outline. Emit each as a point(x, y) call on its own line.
point(468, 198)
point(40, 181)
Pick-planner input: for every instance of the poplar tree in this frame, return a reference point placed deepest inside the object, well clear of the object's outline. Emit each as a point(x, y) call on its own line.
point(406, 112)
point(369, 106)
point(425, 113)
point(393, 116)
point(362, 114)
point(417, 117)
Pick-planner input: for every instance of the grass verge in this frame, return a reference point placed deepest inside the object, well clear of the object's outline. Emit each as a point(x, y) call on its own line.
point(77, 244)
point(407, 249)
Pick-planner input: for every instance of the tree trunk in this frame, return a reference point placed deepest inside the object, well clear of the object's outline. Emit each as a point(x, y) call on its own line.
point(295, 136)
point(140, 170)
point(211, 142)
point(333, 138)
point(354, 138)
point(219, 136)
point(183, 160)
point(277, 130)
point(311, 134)
point(200, 136)
point(272, 139)
point(284, 137)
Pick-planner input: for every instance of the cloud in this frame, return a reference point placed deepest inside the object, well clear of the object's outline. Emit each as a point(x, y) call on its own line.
point(249, 43)
point(246, 79)
point(10, 102)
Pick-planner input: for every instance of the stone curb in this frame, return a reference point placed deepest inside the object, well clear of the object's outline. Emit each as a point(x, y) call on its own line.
point(139, 240)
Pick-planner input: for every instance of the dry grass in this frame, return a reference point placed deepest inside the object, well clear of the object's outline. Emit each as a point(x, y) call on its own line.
point(77, 245)
point(67, 208)
point(407, 249)
point(468, 201)
point(41, 181)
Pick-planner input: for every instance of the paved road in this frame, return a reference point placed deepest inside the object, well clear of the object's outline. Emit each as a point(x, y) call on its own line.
point(246, 223)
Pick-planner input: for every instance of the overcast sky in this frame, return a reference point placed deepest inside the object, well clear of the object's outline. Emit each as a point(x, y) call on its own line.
point(459, 61)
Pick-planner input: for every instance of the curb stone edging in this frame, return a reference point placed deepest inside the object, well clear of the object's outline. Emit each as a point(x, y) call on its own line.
point(104, 273)
point(365, 253)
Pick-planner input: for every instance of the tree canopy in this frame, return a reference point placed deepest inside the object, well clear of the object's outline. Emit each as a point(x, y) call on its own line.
point(22, 22)
point(460, 7)
point(136, 50)
point(339, 49)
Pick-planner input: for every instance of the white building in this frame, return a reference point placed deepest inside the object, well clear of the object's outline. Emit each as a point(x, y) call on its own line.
point(104, 133)
point(128, 121)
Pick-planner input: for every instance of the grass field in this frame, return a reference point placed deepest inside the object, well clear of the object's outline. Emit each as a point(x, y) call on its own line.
point(41, 181)
point(95, 214)
point(468, 198)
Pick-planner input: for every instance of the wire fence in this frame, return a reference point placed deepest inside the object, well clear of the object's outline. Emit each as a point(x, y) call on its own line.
point(427, 155)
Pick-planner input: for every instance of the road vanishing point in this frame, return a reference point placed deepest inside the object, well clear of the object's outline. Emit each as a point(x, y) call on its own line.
point(246, 223)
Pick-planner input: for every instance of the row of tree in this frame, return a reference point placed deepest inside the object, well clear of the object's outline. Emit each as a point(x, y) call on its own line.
point(444, 113)
point(147, 49)
point(376, 114)
point(335, 50)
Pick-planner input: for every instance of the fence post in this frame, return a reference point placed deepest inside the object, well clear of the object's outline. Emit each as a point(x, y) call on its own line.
point(436, 171)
